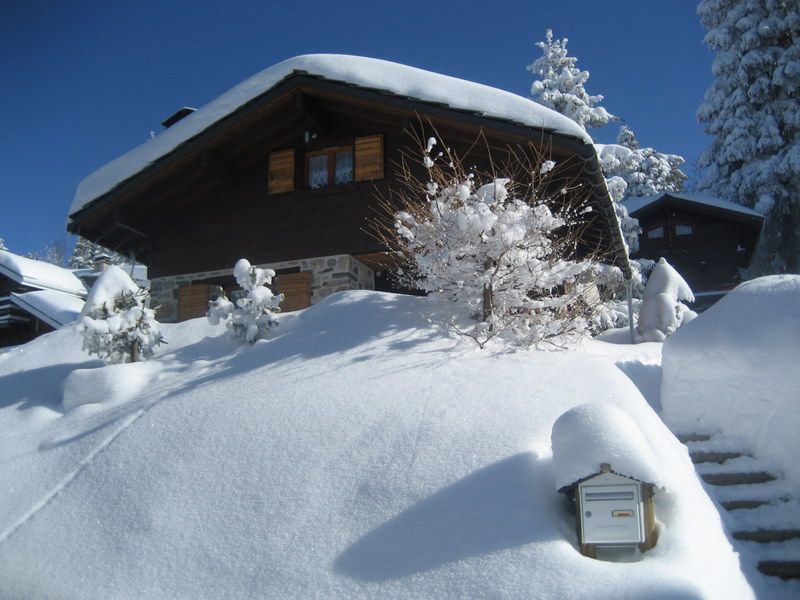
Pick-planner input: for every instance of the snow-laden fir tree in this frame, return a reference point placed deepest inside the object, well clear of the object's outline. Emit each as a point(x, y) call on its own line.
point(752, 112)
point(560, 84)
point(116, 324)
point(2, 244)
point(646, 171)
point(251, 317)
point(54, 253)
point(662, 311)
point(492, 250)
point(85, 251)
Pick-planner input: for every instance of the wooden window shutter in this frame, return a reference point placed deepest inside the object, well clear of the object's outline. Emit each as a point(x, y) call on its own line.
point(193, 301)
point(369, 158)
point(281, 172)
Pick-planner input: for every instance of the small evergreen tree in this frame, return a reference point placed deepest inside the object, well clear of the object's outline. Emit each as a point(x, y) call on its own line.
point(560, 85)
point(115, 322)
point(661, 311)
point(3, 244)
point(252, 317)
point(752, 112)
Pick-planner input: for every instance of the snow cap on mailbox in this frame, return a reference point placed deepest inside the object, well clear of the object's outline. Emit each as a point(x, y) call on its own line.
point(589, 435)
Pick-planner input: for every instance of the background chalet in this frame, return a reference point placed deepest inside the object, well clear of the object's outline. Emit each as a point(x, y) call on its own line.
point(707, 240)
point(284, 169)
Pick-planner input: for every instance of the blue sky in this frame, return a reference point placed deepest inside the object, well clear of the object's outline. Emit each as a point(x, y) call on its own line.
point(84, 82)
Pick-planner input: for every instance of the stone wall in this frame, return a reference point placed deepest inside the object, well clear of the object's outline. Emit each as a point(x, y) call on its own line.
point(329, 274)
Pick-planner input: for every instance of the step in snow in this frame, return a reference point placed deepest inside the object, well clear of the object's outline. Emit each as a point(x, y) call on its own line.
point(713, 456)
point(693, 437)
point(740, 464)
point(775, 515)
point(771, 491)
point(785, 569)
point(746, 478)
point(743, 504)
point(767, 536)
point(778, 551)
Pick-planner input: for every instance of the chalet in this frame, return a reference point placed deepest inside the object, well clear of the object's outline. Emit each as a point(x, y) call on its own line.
point(35, 298)
point(284, 170)
point(707, 240)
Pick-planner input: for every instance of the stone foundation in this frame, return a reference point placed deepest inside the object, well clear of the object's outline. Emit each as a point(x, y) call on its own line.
point(329, 274)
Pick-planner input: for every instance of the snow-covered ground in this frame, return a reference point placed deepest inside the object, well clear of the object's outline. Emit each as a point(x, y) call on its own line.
point(354, 453)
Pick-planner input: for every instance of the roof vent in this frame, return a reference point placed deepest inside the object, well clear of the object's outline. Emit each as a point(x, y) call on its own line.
point(181, 113)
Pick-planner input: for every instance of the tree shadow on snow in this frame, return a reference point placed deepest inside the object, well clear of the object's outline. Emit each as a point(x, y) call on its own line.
point(495, 508)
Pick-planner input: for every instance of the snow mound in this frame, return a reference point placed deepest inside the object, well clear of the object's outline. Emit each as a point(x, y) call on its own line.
point(108, 287)
point(735, 369)
point(371, 73)
point(113, 384)
point(354, 454)
point(590, 434)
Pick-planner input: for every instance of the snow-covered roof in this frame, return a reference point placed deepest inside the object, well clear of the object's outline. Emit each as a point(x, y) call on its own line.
point(635, 204)
point(39, 274)
point(372, 73)
point(53, 307)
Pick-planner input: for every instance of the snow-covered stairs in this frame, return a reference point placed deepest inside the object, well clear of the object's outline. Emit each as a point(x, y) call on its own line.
point(764, 513)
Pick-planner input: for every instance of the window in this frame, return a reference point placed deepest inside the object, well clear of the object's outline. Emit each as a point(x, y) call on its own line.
point(655, 233)
point(332, 166)
point(684, 229)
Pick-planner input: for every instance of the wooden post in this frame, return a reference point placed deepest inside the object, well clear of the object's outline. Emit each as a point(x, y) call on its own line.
point(649, 507)
point(629, 289)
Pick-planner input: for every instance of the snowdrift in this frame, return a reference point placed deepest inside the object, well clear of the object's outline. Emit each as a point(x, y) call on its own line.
point(355, 453)
point(736, 370)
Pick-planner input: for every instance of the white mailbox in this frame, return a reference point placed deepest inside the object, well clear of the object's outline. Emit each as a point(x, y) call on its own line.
point(611, 511)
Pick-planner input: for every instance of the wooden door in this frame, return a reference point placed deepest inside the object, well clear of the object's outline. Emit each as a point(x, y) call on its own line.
point(193, 301)
point(296, 290)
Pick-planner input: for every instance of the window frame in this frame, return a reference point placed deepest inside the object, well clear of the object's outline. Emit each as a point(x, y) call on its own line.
point(331, 156)
point(677, 224)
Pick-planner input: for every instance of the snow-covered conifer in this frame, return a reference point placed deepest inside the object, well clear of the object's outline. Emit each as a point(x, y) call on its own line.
point(85, 251)
point(116, 324)
point(560, 85)
point(661, 311)
point(250, 318)
point(492, 249)
point(752, 112)
point(3, 244)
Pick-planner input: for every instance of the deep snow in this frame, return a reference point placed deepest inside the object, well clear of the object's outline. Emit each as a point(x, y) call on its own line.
point(354, 453)
point(736, 371)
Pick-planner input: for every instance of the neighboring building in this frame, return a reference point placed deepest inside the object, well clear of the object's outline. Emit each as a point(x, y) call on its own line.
point(35, 298)
point(284, 170)
point(707, 240)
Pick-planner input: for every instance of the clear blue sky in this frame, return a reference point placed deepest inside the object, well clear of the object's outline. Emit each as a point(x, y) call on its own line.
point(85, 81)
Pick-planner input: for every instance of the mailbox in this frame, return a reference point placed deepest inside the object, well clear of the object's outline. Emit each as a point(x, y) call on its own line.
point(613, 510)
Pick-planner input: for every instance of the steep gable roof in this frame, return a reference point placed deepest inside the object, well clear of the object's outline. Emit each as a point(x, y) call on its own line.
point(367, 73)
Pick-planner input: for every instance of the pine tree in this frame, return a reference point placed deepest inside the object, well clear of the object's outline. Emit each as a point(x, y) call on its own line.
point(85, 251)
point(3, 244)
point(115, 322)
point(752, 111)
point(560, 85)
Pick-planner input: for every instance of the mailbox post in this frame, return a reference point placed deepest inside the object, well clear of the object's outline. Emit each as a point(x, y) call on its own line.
point(613, 511)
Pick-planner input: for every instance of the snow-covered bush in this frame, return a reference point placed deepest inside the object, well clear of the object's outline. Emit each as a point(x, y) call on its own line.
point(612, 310)
point(661, 311)
point(493, 248)
point(249, 318)
point(115, 322)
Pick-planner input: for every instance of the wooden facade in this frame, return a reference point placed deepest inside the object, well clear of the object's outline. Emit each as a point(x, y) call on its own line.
point(706, 243)
point(249, 185)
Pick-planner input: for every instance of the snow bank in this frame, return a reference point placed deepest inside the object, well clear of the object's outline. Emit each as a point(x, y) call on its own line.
point(39, 274)
point(371, 73)
point(590, 434)
point(113, 384)
point(353, 454)
point(735, 369)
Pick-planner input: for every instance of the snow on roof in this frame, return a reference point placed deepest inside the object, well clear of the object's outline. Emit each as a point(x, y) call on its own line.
point(356, 70)
point(635, 204)
point(53, 307)
point(39, 274)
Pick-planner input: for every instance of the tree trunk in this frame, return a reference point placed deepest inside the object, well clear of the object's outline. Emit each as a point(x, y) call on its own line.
point(135, 351)
point(488, 302)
